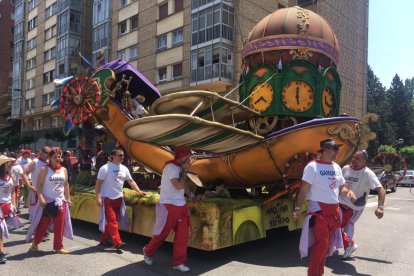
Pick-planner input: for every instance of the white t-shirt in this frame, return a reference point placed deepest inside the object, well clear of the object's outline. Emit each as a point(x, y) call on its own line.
point(38, 165)
point(113, 177)
point(360, 182)
point(54, 186)
point(137, 108)
point(169, 194)
point(24, 162)
point(324, 179)
point(17, 171)
point(6, 186)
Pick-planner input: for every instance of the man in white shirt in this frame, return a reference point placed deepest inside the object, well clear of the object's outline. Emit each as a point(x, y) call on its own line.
point(138, 110)
point(359, 179)
point(172, 213)
point(110, 197)
point(322, 182)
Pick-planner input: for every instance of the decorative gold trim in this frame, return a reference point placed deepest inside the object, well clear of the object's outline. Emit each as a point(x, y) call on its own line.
point(346, 133)
point(303, 21)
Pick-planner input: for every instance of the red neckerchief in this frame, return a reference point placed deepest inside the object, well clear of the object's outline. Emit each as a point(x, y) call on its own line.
point(7, 177)
point(350, 165)
point(323, 162)
point(54, 169)
point(174, 161)
point(41, 159)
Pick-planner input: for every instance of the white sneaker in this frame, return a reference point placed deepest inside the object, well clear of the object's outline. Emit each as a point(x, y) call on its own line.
point(147, 260)
point(348, 251)
point(182, 268)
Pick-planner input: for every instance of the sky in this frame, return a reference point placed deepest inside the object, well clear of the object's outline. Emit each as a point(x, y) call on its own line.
point(391, 39)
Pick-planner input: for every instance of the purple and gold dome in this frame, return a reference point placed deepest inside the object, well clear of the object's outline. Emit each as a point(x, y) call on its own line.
point(290, 34)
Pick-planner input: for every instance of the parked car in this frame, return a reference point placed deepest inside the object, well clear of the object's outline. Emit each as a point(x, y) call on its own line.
point(408, 179)
point(388, 180)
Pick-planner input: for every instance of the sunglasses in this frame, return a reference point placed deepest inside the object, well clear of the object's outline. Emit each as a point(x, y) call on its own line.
point(120, 155)
point(334, 148)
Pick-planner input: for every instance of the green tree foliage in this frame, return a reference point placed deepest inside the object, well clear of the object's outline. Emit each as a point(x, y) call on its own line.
point(378, 102)
point(401, 111)
point(408, 154)
point(386, 148)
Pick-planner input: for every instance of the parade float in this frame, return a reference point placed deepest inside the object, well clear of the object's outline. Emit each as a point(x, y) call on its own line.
point(289, 100)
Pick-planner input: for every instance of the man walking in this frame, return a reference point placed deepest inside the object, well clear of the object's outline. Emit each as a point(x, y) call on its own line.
point(359, 179)
point(109, 196)
point(322, 182)
point(172, 212)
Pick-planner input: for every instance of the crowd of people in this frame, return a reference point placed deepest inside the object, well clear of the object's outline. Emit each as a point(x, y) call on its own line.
point(336, 199)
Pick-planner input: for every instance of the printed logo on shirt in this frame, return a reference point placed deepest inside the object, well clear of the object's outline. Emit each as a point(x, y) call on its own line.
point(349, 181)
point(332, 183)
point(59, 188)
point(56, 178)
point(328, 173)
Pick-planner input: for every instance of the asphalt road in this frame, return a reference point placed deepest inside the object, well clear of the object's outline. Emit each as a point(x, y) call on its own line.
point(386, 247)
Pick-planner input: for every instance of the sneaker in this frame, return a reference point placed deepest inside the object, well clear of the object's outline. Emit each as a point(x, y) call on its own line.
point(182, 268)
point(104, 243)
point(62, 251)
point(147, 260)
point(349, 250)
point(2, 258)
point(33, 247)
point(119, 246)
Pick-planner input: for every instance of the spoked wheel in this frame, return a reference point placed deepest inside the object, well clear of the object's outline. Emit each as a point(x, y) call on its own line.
point(79, 99)
point(292, 175)
point(390, 169)
point(263, 125)
point(294, 167)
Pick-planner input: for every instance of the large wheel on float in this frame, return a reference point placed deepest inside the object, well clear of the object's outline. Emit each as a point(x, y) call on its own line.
point(390, 169)
point(79, 99)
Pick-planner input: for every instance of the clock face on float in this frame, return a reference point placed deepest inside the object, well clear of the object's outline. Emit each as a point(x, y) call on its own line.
point(298, 96)
point(261, 97)
point(328, 105)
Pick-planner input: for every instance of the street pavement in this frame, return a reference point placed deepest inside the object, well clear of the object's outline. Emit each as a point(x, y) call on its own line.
point(386, 247)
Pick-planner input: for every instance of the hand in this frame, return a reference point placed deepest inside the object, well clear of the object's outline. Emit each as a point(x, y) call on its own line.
point(351, 196)
point(379, 213)
point(69, 202)
point(186, 165)
point(42, 202)
point(142, 193)
point(99, 201)
point(296, 215)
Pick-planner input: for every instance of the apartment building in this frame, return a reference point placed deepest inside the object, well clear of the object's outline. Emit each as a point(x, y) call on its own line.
point(177, 44)
point(6, 58)
point(48, 37)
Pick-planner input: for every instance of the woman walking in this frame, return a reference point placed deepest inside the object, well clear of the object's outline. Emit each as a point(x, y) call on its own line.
point(53, 204)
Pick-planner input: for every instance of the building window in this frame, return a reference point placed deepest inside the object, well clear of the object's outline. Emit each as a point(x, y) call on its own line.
point(55, 121)
point(134, 22)
point(30, 103)
point(31, 43)
point(31, 4)
point(51, 32)
point(178, 5)
point(122, 27)
point(30, 84)
point(38, 124)
point(48, 76)
point(162, 74)
point(177, 71)
point(32, 23)
point(100, 11)
point(50, 54)
point(162, 42)
point(31, 63)
point(133, 52)
point(75, 22)
point(100, 36)
point(122, 54)
point(51, 10)
point(163, 11)
point(177, 37)
point(47, 98)
point(126, 2)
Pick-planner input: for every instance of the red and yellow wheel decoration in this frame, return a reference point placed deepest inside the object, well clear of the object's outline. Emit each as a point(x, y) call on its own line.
point(79, 99)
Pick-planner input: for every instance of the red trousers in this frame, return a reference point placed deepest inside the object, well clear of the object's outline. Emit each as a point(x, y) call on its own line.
point(326, 223)
point(5, 208)
point(346, 216)
point(178, 220)
point(112, 208)
point(58, 227)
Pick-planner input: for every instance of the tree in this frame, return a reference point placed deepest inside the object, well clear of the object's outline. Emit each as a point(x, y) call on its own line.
point(401, 111)
point(378, 102)
point(408, 154)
